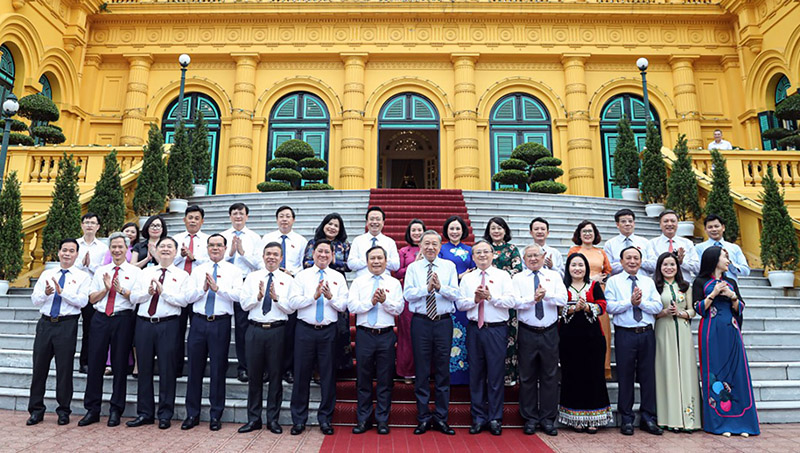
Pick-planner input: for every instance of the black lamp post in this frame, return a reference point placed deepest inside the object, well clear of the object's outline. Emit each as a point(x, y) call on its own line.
point(10, 108)
point(184, 60)
point(642, 64)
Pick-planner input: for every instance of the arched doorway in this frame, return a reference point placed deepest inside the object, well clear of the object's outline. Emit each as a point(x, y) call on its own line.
point(629, 105)
point(408, 143)
point(192, 102)
point(7, 73)
point(767, 119)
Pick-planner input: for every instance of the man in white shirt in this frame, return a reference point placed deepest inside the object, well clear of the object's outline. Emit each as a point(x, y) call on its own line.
point(375, 299)
point(318, 294)
point(486, 294)
point(160, 291)
point(669, 241)
point(356, 261)
point(265, 296)
point(292, 243)
point(540, 230)
point(539, 293)
point(112, 326)
point(431, 289)
point(60, 294)
point(719, 143)
point(626, 224)
point(91, 253)
point(243, 245)
point(634, 301)
point(715, 229)
point(219, 282)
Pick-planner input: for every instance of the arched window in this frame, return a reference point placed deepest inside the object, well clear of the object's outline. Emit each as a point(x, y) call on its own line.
point(7, 72)
point(516, 119)
point(768, 120)
point(47, 89)
point(303, 116)
point(192, 102)
point(629, 105)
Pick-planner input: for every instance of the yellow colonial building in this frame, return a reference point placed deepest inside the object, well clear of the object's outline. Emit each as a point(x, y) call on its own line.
point(435, 91)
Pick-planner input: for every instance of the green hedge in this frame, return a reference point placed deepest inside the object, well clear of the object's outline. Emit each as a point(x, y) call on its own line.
point(272, 186)
point(314, 174)
point(284, 174)
point(312, 162)
point(548, 187)
point(282, 162)
point(510, 177)
point(544, 173)
point(317, 186)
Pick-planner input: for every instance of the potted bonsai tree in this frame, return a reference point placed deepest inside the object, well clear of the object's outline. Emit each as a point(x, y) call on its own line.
point(626, 161)
point(179, 171)
point(779, 251)
point(10, 232)
point(201, 158)
point(151, 187)
point(654, 173)
point(64, 217)
point(682, 194)
point(108, 201)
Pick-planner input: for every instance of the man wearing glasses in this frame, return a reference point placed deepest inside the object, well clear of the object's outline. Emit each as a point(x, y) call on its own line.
point(91, 253)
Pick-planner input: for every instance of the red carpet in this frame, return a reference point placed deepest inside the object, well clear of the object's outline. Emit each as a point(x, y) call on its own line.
point(404, 440)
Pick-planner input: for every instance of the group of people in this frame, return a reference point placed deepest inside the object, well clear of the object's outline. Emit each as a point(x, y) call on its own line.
point(489, 315)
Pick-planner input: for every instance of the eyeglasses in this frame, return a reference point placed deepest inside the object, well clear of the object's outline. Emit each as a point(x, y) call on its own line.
point(155, 227)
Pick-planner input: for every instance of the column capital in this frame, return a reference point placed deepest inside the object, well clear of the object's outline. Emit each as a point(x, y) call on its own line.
point(461, 56)
point(729, 61)
point(357, 56)
point(141, 58)
point(244, 57)
point(574, 57)
point(93, 59)
point(678, 60)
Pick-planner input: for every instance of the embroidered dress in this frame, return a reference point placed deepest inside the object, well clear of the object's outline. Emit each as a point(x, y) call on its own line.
point(405, 354)
point(728, 403)
point(584, 398)
point(461, 256)
point(507, 258)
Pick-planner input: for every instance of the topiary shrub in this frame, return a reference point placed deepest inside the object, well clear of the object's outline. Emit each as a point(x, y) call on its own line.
point(789, 108)
point(284, 174)
point(48, 134)
point(682, 197)
point(510, 189)
point(294, 149)
point(549, 162)
point(311, 162)
point(548, 187)
point(779, 249)
point(64, 216)
point(294, 160)
point(626, 157)
point(179, 165)
point(776, 133)
point(151, 187)
point(11, 237)
point(654, 171)
point(16, 126)
point(200, 155)
point(282, 162)
point(272, 186)
point(719, 200)
point(511, 177)
point(314, 174)
point(15, 138)
point(108, 201)
point(317, 186)
point(37, 107)
point(546, 172)
point(530, 152)
point(790, 141)
point(514, 164)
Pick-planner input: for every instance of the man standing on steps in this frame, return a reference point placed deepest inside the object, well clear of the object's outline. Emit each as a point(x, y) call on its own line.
point(318, 294)
point(160, 291)
point(634, 301)
point(265, 296)
point(242, 251)
point(715, 228)
point(431, 289)
point(91, 253)
point(356, 261)
point(219, 283)
point(669, 241)
point(626, 224)
point(376, 299)
point(540, 229)
point(193, 253)
point(486, 295)
point(539, 293)
point(293, 246)
point(60, 293)
point(112, 326)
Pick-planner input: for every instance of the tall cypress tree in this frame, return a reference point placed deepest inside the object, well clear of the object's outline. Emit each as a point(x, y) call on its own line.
point(626, 157)
point(108, 201)
point(779, 250)
point(151, 187)
point(10, 229)
point(682, 197)
point(64, 217)
point(201, 158)
point(654, 170)
point(720, 201)
point(179, 165)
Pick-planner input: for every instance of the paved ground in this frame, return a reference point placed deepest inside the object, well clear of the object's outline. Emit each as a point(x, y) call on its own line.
point(49, 437)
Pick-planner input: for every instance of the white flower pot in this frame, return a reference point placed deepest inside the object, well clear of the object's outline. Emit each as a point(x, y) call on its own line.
point(686, 228)
point(3, 287)
point(178, 205)
point(630, 194)
point(51, 265)
point(654, 209)
point(781, 279)
point(199, 190)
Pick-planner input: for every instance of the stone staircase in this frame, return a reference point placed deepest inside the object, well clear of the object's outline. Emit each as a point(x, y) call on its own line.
point(771, 325)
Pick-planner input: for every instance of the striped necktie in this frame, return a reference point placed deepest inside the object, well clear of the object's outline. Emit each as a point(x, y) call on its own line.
point(430, 301)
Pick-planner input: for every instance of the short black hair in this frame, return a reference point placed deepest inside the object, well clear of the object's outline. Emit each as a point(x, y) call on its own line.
point(576, 236)
point(568, 276)
point(69, 241)
point(195, 208)
point(375, 208)
point(237, 206)
point(667, 212)
point(167, 239)
point(271, 245)
point(146, 227)
point(413, 222)
point(321, 242)
point(540, 220)
point(713, 217)
point(283, 208)
point(136, 227)
point(623, 212)
point(89, 215)
point(377, 247)
point(217, 235)
point(451, 219)
point(502, 224)
point(628, 248)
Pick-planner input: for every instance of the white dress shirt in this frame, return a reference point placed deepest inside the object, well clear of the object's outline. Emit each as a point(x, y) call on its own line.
point(659, 245)
point(618, 300)
point(500, 288)
point(74, 293)
point(301, 295)
point(199, 249)
point(279, 310)
point(97, 253)
point(357, 259)
point(253, 258)
point(556, 257)
point(722, 145)
point(617, 244)
point(229, 283)
point(738, 266)
point(416, 286)
point(295, 248)
point(127, 276)
point(555, 296)
point(360, 300)
point(178, 291)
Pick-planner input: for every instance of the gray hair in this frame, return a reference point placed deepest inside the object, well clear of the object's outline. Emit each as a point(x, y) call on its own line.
point(118, 235)
point(431, 233)
point(482, 241)
point(532, 246)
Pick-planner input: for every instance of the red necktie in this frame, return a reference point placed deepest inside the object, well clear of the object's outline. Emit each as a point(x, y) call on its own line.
point(112, 293)
point(151, 310)
point(187, 264)
point(480, 305)
point(670, 246)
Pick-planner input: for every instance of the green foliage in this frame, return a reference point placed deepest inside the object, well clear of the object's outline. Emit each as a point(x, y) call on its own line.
point(548, 187)
point(683, 198)
point(779, 250)
point(544, 173)
point(510, 189)
point(317, 186)
point(108, 201)
point(294, 160)
point(151, 187)
point(789, 108)
point(312, 162)
point(11, 238)
point(272, 186)
point(200, 155)
point(64, 217)
point(37, 107)
point(654, 170)
point(294, 149)
point(792, 140)
point(16, 126)
point(514, 177)
point(284, 174)
point(179, 165)
point(514, 164)
point(15, 138)
point(719, 200)
point(626, 157)
point(282, 162)
point(530, 152)
point(549, 162)
point(776, 133)
point(48, 134)
point(314, 174)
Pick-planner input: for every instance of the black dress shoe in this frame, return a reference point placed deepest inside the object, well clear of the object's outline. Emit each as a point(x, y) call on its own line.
point(495, 428)
point(326, 428)
point(113, 419)
point(529, 429)
point(626, 429)
point(476, 428)
point(242, 376)
point(444, 428)
point(250, 426)
point(63, 419)
point(275, 427)
point(164, 423)
point(215, 424)
point(83, 369)
point(297, 429)
point(651, 427)
point(34, 419)
point(422, 428)
point(362, 427)
point(550, 430)
point(383, 428)
point(139, 421)
point(288, 377)
point(190, 423)
point(89, 419)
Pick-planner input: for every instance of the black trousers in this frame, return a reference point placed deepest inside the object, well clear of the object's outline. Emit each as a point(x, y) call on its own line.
point(431, 342)
point(241, 325)
point(207, 340)
point(313, 345)
point(156, 340)
point(87, 313)
point(636, 355)
point(486, 352)
point(288, 343)
point(538, 373)
point(53, 339)
point(265, 353)
point(183, 322)
point(115, 332)
point(375, 356)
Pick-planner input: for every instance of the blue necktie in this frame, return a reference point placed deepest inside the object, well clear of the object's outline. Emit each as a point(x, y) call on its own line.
point(717, 244)
point(372, 316)
point(283, 253)
point(637, 312)
point(374, 241)
point(321, 300)
point(539, 305)
point(212, 296)
point(267, 305)
point(237, 234)
point(55, 309)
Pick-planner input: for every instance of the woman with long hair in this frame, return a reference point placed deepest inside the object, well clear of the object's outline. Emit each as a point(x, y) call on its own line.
point(408, 254)
point(143, 254)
